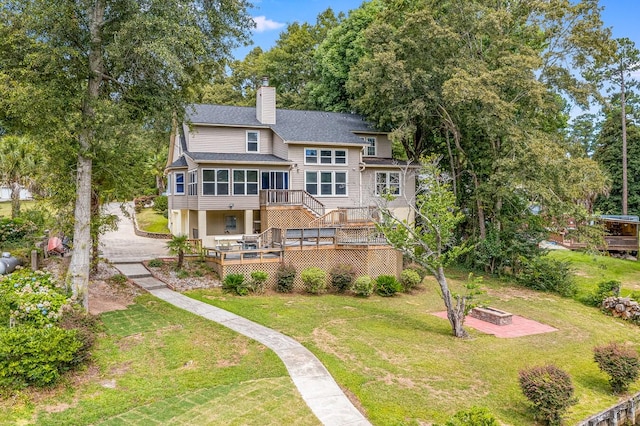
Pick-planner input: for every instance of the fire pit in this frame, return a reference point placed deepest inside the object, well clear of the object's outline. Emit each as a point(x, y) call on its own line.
point(492, 315)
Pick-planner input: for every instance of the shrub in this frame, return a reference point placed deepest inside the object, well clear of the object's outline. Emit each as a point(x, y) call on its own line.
point(410, 279)
point(119, 279)
point(342, 277)
point(546, 274)
point(549, 389)
point(14, 230)
point(156, 263)
point(387, 285)
point(475, 416)
point(314, 279)
point(86, 325)
point(258, 278)
point(285, 275)
point(161, 204)
point(422, 272)
point(31, 298)
point(620, 362)
point(605, 289)
point(36, 356)
point(182, 274)
point(363, 286)
point(235, 283)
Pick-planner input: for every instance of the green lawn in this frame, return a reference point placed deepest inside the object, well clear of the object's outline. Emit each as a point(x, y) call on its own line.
point(403, 365)
point(392, 354)
point(590, 270)
point(5, 207)
point(156, 364)
point(151, 221)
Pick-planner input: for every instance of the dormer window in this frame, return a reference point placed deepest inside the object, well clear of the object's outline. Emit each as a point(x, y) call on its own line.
point(370, 148)
point(253, 141)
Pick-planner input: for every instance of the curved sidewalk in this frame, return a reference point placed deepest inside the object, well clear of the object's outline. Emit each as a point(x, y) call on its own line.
point(316, 386)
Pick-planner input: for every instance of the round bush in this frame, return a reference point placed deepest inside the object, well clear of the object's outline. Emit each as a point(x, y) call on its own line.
point(546, 274)
point(363, 286)
point(549, 389)
point(285, 276)
point(620, 362)
point(409, 279)
point(36, 356)
point(342, 277)
point(314, 279)
point(234, 283)
point(475, 416)
point(387, 285)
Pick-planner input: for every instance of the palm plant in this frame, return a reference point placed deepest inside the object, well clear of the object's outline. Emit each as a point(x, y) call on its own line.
point(19, 161)
point(179, 245)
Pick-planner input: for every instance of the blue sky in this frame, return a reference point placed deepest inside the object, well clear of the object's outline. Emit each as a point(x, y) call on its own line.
point(272, 16)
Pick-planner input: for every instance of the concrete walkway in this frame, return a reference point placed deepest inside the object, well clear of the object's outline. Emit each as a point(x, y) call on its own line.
point(316, 386)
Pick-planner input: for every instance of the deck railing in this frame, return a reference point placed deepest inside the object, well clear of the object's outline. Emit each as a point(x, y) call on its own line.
point(345, 216)
point(291, 197)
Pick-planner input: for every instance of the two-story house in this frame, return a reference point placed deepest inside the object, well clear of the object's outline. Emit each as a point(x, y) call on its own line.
point(242, 170)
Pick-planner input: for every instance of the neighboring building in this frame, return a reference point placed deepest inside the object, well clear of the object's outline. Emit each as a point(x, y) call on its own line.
point(5, 194)
point(234, 171)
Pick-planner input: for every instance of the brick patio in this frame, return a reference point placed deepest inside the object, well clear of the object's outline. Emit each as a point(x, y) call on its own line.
point(519, 326)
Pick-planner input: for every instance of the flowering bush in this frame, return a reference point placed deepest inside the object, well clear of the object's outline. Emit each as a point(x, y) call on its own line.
point(32, 298)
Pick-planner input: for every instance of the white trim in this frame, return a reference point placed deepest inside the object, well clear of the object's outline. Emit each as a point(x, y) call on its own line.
point(319, 183)
point(319, 157)
point(215, 181)
point(257, 141)
point(183, 183)
point(387, 183)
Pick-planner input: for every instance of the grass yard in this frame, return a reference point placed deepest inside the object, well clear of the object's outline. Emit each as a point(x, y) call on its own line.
point(151, 221)
point(590, 269)
point(403, 365)
point(156, 364)
point(5, 207)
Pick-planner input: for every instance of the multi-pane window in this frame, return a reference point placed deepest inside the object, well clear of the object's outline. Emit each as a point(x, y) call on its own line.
point(387, 183)
point(245, 182)
point(179, 182)
point(192, 185)
point(327, 156)
point(215, 182)
point(370, 148)
point(326, 183)
point(253, 141)
point(310, 156)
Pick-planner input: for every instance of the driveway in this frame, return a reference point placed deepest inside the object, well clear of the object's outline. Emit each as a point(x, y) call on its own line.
point(123, 245)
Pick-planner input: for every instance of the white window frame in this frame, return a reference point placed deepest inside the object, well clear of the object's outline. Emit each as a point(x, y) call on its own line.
point(388, 184)
point(320, 156)
point(371, 149)
point(246, 182)
point(315, 156)
point(176, 183)
point(318, 182)
point(192, 184)
point(216, 182)
point(256, 142)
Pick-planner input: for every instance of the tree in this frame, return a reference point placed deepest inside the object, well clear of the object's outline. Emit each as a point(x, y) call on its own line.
point(19, 166)
point(618, 70)
point(179, 245)
point(479, 83)
point(429, 240)
point(101, 64)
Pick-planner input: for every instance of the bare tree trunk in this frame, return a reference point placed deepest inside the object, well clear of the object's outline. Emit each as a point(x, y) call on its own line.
point(15, 200)
point(455, 313)
point(79, 268)
point(481, 225)
point(623, 105)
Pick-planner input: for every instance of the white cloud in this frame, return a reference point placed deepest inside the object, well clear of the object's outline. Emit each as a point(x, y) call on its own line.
point(263, 24)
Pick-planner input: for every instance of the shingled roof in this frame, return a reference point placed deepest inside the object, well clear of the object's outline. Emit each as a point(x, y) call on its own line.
point(291, 125)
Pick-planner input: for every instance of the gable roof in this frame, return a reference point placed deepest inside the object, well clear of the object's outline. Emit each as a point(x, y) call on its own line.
point(291, 125)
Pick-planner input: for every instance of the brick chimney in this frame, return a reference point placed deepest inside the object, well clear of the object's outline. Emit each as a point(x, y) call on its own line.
point(266, 103)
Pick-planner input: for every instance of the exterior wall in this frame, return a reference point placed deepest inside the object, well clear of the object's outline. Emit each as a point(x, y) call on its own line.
point(279, 148)
point(226, 139)
point(352, 168)
point(383, 145)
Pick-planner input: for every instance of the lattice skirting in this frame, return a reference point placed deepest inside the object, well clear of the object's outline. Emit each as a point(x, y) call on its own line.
point(285, 217)
point(372, 262)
